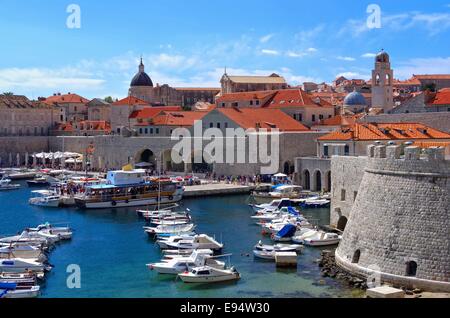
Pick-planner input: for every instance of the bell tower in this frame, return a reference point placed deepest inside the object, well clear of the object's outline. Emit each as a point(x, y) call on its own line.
point(382, 83)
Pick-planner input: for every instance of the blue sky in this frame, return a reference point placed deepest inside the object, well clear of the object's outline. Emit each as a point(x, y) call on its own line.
point(188, 43)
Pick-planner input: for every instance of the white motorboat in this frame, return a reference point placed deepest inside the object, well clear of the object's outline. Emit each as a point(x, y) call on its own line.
point(155, 213)
point(279, 247)
point(201, 241)
point(21, 174)
point(208, 274)
point(5, 184)
point(169, 254)
point(65, 233)
point(22, 251)
point(162, 242)
point(13, 290)
point(25, 238)
point(45, 198)
point(20, 265)
point(317, 238)
point(169, 229)
point(182, 264)
point(169, 217)
point(315, 202)
point(274, 205)
point(171, 222)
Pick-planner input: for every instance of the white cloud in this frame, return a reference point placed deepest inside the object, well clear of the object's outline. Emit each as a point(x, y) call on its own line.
point(346, 58)
point(266, 38)
point(368, 55)
point(311, 50)
point(436, 65)
point(296, 54)
point(270, 52)
point(353, 75)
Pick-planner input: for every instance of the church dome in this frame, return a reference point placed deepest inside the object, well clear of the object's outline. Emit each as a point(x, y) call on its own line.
point(355, 99)
point(141, 78)
point(382, 57)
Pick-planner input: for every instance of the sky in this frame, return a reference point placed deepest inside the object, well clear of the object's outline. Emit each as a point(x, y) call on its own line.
point(189, 43)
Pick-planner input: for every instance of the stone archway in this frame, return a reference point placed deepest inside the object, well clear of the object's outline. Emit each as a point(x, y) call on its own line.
point(146, 156)
point(342, 223)
point(317, 181)
point(288, 168)
point(306, 180)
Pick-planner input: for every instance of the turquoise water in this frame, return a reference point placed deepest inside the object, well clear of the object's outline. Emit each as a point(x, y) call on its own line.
point(112, 249)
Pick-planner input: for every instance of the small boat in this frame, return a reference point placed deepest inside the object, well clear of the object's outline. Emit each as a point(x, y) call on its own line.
point(162, 242)
point(160, 229)
point(161, 211)
point(315, 202)
point(317, 238)
point(171, 222)
point(208, 274)
point(23, 279)
point(280, 191)
point(201, 241)
point(13, 290)
point(274, 205)
point(285, 234)
point(5, 184)
point(38, 181)
point(22, 251)
point(25, 238)
point(21, 174)
point(177, 253)
point(45, 198)
point(182, 264)
point(20, 265)
point(65, 233)
point(279, 247)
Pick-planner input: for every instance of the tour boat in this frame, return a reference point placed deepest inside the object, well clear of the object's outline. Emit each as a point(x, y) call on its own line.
point(5, 184)
point(45, 198)
point(208, 274)
point(182, 264)
point(13, 290)
point(65, 233)
point(22, 251)
point(129, 188)
point(317, 238)
point(201, 241)
point(20, 265)
point(169, 229)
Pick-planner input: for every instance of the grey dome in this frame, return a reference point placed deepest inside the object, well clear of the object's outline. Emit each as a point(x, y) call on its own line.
point(354, 99)
point(382, 57)
point(141, 78)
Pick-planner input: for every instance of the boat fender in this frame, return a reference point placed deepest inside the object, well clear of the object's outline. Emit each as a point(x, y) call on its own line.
point(113, 203)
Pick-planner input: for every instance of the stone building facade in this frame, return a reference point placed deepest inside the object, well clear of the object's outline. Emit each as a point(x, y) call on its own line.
point(236, 84)
point(399, 225)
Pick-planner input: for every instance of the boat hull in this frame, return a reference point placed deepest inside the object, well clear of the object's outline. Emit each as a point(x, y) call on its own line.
point(210, 279)
point(309, 242)
point(82, 204)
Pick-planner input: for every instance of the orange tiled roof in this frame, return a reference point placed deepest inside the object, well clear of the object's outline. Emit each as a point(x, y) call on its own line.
point(175, 118)
point(432, 76)
point(130, 100)
point(340, 120)
point(235, 97)
point(66, 99)
point(266, 118)
point(429, 144)
point(150, 112)
point(296, 98)
point(386, 131)
point(442, 97)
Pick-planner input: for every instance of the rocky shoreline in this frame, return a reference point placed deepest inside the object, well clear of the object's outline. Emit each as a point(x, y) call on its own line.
point(327, 263)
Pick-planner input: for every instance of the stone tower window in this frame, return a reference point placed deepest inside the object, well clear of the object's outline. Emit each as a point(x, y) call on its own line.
point(342, 194)
point(377, 80)
point(356, 256)
point(411, 268)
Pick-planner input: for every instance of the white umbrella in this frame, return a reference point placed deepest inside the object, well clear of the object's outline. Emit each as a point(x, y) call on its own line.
point(280, 175)
point(34, 160)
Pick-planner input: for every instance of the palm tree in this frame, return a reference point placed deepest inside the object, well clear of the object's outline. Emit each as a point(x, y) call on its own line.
point(8, 93)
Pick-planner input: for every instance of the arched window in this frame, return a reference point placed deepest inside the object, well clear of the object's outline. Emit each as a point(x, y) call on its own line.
point(411, 268)
point(318, 177)
point(306, 180)
point(377, 80)
point(356, 256)
point(388, 80)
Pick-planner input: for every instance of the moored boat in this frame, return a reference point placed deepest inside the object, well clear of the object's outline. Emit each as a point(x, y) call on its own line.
point(208, 274)
point(5, 184)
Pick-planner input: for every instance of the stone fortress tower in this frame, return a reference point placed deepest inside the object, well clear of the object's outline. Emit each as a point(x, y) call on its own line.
point(399, 226)
point(382, 83)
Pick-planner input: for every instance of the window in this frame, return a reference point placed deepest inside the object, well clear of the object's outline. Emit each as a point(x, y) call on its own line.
point(325, 151)
point(347, 150)
point(211, 125)
point(118, 130)
point(235, 104)
point(146, 131)
point(356, 256)
point(294, 116)
point(226, 125)
point(251, 103)
point(42, 131)
point(313, 118)
point(329, 116)
point(151, 131)
point(218, 125)
point(75, 109)
point(140, 131)
point(61, 118)
point(342, 194)
point(157, 131)
point(300, 117)
point(320, 117)
point(223, 104)
point(355, 194)
point(257, 103)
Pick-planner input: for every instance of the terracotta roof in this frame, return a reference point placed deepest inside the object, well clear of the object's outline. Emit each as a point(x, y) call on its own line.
point(235, 97)
point(66, 99)
point(432, 76)
point(340, 120)
point(100, 125)
point(150, 112)
point(175, 118)
point(296, 98)
point(20, 102)
point(429, 144)
point(442, 97)
point(265, 118)
point(130, 100)
point(411, 81)
point(386, 131)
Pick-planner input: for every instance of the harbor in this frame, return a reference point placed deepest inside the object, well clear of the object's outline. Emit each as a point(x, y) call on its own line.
point(112, 251)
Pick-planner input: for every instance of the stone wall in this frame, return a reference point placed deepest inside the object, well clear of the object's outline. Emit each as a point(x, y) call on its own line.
point(399, 225)
point(439, 120)
point(347, 173)
point(307, 168)
point(21, 146)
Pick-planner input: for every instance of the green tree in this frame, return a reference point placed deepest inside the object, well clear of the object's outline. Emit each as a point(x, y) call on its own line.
point(429, 87)
point(108, 99)
point(8, 93)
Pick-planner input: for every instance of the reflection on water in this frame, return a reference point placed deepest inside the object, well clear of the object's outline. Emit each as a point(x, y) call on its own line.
point(112, 250)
